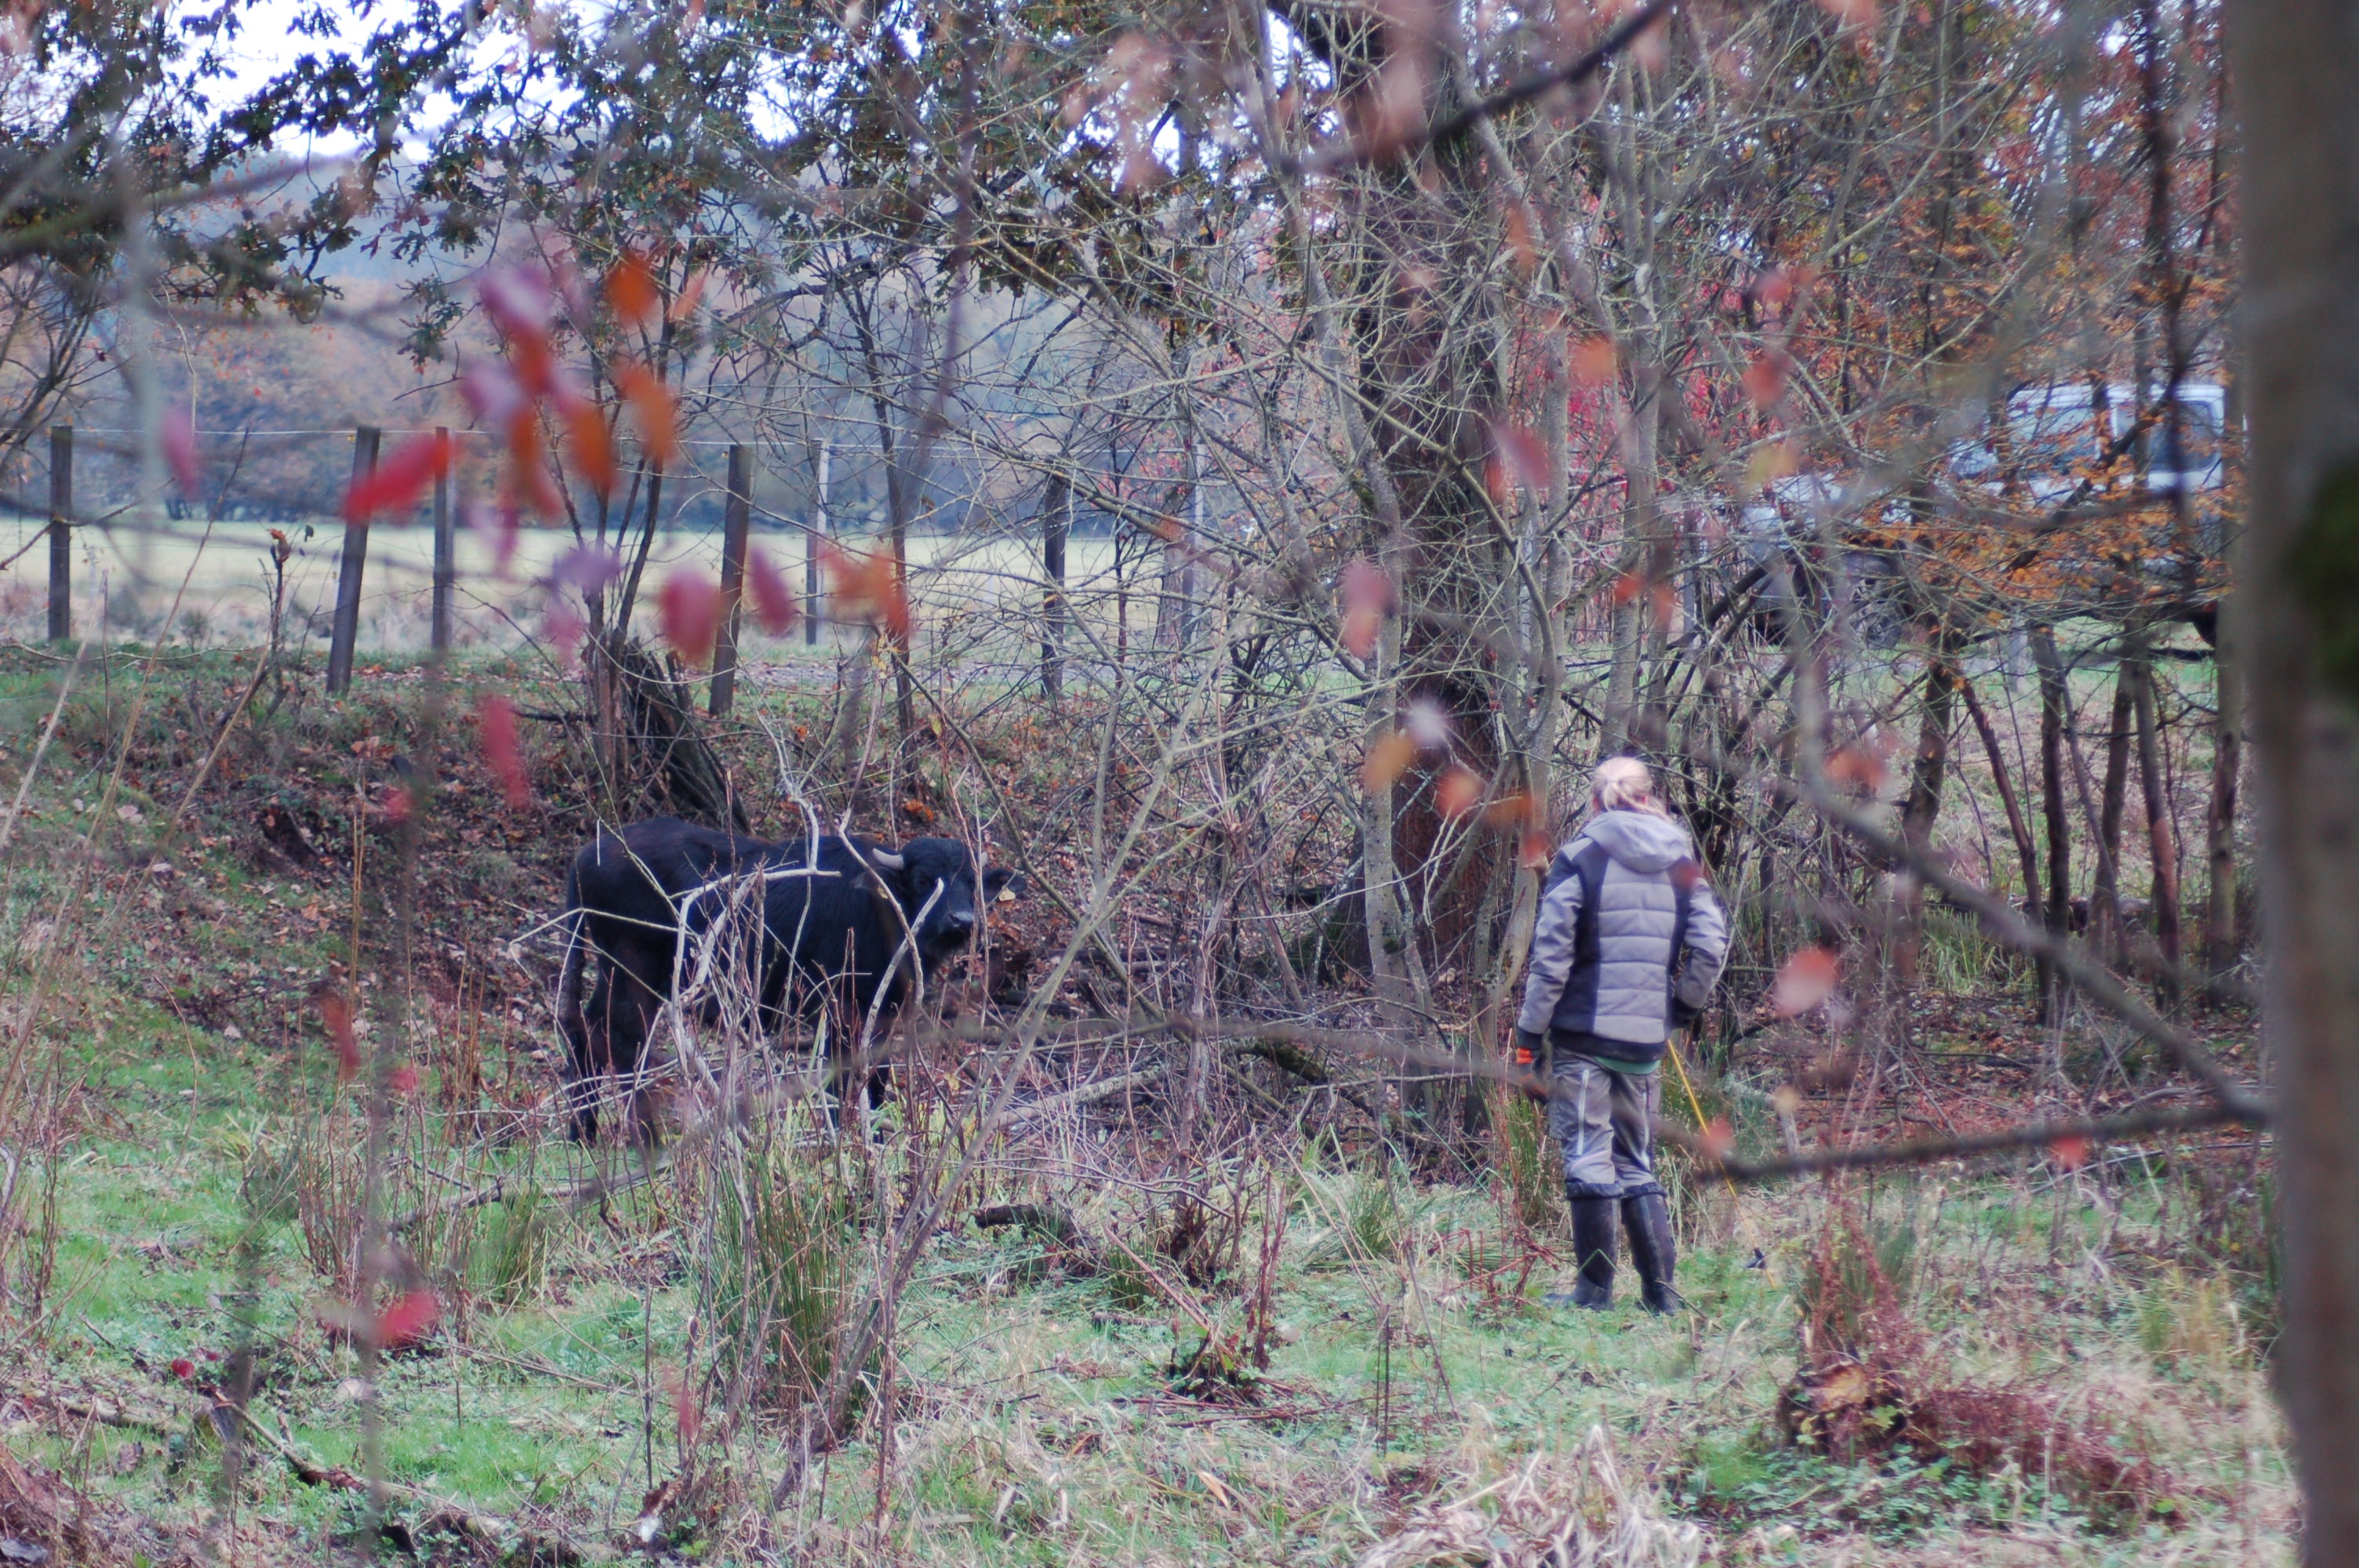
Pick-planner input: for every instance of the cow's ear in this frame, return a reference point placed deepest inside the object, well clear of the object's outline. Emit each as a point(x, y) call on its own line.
point(1004, 885)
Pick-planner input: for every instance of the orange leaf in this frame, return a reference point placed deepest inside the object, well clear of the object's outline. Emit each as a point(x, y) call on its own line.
point(408, 1318)
point(395, 484)
point(1627, 587)
point(1594, 361)
point(530, 484)
point(2070, 1151)
point(773, 601)
point(496, 717)
point(1387, 759)
point(1510, 812)
point(1852, 13)
point(1807, 979)
point(336, 1013)
point(1718, 1137)
point(1536, 851)
point(867, 587)
point(684, 303)
point(1665, 602)
point(631, 290)
point(590, 443)
point(1460, 791)
point(1519, 240)
point(652, 410)
point(1367, 595)
point(1857, 769)
point(690, 608)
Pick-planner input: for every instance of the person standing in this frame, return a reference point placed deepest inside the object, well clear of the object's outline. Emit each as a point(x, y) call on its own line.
point(1629, 941)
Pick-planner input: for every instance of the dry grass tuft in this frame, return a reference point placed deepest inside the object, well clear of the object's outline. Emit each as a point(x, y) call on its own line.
point(1545, 1518)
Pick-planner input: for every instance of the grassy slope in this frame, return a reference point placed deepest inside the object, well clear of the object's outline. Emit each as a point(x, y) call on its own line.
point(1042, 1423)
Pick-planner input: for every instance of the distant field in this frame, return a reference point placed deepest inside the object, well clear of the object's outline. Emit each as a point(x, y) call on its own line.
point(215, 582)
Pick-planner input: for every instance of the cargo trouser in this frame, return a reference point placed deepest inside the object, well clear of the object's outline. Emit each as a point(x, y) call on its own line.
point(1603, 1121)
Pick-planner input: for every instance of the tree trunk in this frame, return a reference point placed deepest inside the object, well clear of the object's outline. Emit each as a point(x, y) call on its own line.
point(2053, 699)
point(2018, 825)
point(2105, 902)
point(2220, 818)
point(1927, 774)
point(2300, 590)
point(2161, 827)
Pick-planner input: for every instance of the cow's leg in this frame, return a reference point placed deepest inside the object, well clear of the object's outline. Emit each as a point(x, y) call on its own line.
point(592, 1056)
point(645, 981)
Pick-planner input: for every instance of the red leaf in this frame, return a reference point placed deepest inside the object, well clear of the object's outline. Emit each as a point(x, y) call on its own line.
point(2070, 1151)
point(773, 601)
point(631, 290)
point(1764, 379)
point(183, 1367)
point(178, 436)
point(395, 484)
point(684, 302)
point(397, 803)
point(1627, 587)
point(690, 608)
point(497, 717)
point(686, 1418)
point(1460, 791)
point(1536, 851)
point(336, 1014)
point(1808, 979)
point(1368, 594)
point(1718, 1137)
point(1523, 453)
point(410, 1317)
point(403, 1080)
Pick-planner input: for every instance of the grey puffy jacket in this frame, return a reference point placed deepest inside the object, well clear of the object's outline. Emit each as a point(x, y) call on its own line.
point(1625, 918)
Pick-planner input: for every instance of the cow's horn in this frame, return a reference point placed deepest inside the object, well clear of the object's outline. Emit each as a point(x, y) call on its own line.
point(886, 860)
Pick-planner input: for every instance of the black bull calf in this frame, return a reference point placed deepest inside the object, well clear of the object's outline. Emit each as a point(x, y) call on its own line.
point(845, 933)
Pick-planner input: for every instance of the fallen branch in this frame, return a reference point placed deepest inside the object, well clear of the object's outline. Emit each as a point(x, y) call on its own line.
point(2092, 978)
point(503, 1536)
point(2062, 1135)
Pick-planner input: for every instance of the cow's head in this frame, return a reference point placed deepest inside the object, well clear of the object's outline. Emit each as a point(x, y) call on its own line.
point(912, 873)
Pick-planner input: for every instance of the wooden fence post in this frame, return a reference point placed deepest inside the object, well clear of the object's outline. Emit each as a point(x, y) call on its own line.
point(60, 533)
point(345, 629)
point(736, 521)
point(814, 603)
point(1055, 527)
point(446, 563)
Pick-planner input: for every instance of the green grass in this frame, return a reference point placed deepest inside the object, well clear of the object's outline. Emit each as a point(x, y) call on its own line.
point(1036, 1418)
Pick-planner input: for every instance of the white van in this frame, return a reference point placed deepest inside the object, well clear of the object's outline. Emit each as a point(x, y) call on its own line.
point(2052, 430)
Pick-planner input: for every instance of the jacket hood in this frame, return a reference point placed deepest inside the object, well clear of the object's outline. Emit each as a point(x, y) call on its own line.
point(1639, 840)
